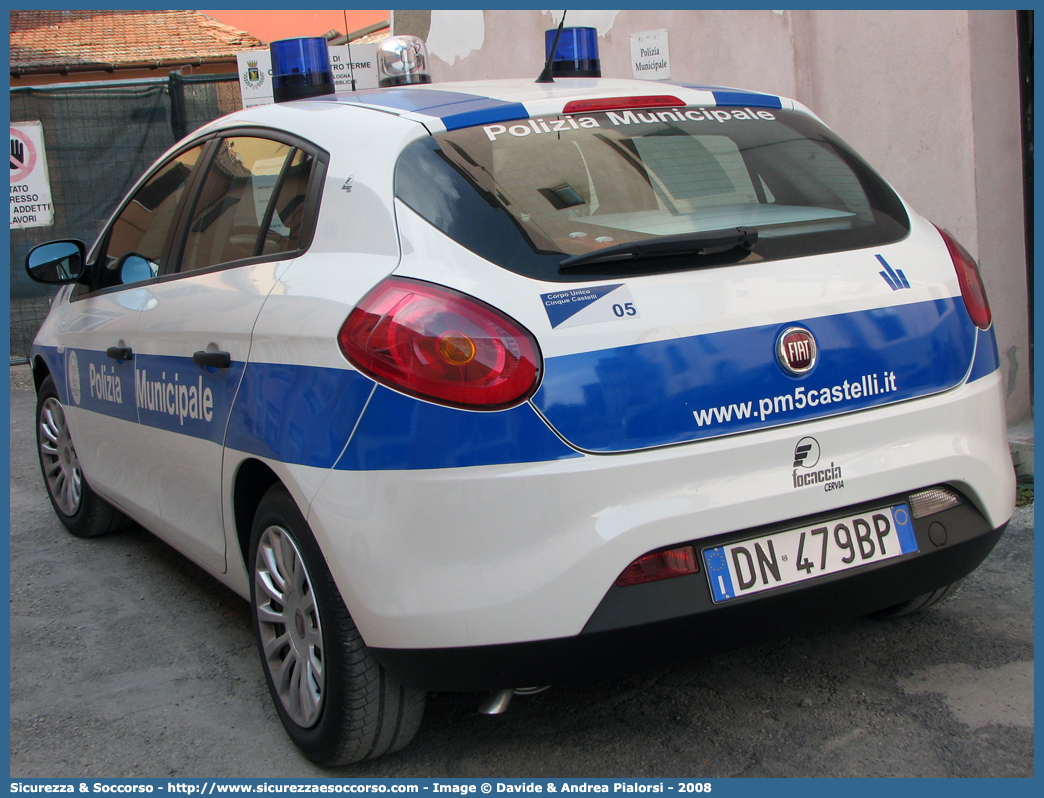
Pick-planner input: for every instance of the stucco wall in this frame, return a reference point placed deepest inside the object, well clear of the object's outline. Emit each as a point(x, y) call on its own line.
point(998, 178)
point(929, 98)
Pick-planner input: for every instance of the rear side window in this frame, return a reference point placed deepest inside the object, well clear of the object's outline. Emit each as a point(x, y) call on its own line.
point(529, 195)
point(283, 233)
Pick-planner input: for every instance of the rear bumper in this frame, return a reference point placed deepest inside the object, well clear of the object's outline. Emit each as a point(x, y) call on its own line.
point(465, 557)
point(641, 625)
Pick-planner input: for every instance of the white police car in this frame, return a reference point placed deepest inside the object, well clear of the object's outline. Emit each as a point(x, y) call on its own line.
point(486, 385)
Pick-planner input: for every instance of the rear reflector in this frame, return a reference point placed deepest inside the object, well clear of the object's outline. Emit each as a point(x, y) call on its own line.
point(620, 103)
point(660, 565)
point(971, 282)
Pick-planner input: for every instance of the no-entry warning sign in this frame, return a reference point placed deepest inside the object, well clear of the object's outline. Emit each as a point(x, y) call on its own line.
point(30, 183)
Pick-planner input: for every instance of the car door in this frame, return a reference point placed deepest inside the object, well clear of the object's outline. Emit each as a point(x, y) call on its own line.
point(97, 331)
point(246, 223)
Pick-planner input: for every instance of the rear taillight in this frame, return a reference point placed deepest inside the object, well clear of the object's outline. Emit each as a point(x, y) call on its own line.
point(659, 565)
point(971, 282)
point(438, 344)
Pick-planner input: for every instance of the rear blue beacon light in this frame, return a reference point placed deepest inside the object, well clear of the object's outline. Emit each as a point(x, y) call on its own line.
point(301, 68)
point(577, 53)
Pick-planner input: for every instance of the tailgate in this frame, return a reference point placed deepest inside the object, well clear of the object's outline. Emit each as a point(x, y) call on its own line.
point(705, 362)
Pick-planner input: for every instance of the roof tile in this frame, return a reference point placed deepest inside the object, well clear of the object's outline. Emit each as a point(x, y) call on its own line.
point(55, 38)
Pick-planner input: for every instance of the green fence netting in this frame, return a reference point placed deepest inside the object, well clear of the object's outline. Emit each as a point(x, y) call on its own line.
point(99, 138)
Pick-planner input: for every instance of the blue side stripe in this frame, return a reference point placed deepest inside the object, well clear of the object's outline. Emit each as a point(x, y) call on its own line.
point(95, 382)
point(734, 97)
point(410, 99)
point(455, 109)
point(482, 113)
point(297, 414)
point(304, 415)
point(608, 400)
point(176, 395)
point(55, 365)
point(747, 98)
point(987, 359)
point(667, 392)
point(399, 432)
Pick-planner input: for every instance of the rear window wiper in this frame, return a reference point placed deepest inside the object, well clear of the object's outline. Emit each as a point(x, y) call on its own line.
point(707, 242)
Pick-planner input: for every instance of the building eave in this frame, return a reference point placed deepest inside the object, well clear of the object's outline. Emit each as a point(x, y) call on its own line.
point(112, 68)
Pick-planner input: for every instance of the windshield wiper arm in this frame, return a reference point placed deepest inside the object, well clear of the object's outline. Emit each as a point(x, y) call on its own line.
point(707, 242)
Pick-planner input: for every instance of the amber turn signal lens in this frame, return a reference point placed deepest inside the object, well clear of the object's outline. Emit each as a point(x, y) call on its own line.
point(456, 348)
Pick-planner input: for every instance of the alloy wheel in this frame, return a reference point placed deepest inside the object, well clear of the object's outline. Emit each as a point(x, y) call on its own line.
point(61, 466)
point(289, 625)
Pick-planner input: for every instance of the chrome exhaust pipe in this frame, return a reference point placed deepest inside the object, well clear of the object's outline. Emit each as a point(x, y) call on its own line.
point(497, 702)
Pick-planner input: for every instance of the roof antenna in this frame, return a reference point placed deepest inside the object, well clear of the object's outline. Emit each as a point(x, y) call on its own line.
point(348, 42)
point(545, 76)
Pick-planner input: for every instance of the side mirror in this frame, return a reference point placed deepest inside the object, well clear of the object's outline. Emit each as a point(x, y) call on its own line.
point(134, 269)
point(57, 263)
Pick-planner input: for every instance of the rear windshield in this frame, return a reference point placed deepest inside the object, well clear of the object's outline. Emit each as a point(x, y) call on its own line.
point(530, 194)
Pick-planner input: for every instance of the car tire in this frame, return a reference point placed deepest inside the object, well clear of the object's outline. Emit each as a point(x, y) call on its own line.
point(335, 701)
point(921, 602)
point(83, 512)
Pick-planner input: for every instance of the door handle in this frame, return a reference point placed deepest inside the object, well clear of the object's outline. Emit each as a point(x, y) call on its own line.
point(119, 352)
point(214, 360)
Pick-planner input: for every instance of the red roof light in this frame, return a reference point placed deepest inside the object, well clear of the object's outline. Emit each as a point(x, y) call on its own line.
point(621, 103)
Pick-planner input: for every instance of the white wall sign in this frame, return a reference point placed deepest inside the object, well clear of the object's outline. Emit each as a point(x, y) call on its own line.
point(650, 55)
point(255, 71)
point(30, 183)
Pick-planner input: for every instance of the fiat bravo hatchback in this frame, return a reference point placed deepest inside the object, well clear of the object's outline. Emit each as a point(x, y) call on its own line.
point(485, 386)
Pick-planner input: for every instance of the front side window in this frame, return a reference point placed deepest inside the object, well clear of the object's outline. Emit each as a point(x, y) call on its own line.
point(138, 239)
point(528, 195)
point(250, 204)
